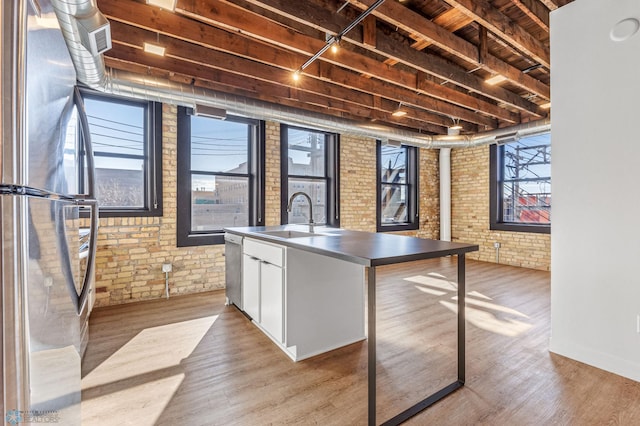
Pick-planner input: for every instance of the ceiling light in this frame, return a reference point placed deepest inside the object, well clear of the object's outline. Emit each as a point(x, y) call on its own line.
point(546, 106)
point(154, 48)
point(495, 79)
point(399, 112)
point(335, 47)
point(164, 4)
point(296, 75)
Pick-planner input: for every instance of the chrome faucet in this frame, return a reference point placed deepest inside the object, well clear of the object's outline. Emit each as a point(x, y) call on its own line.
point(290, 205)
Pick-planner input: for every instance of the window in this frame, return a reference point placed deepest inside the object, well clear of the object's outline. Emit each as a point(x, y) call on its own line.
point(309, 164)
point(397, 202)
point(126, 136)
point(521, 185)
point(220, 176)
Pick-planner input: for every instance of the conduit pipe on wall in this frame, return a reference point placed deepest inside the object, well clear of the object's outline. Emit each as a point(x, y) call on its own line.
point(444, 168)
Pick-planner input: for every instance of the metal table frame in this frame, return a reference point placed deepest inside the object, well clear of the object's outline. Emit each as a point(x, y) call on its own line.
point(371, 347)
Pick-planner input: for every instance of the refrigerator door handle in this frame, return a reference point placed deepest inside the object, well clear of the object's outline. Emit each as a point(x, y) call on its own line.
point(90, 192)
point(93, 243)
point(88, 198)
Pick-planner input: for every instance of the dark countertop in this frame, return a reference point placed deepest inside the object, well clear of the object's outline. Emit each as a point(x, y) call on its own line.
point(364, 248)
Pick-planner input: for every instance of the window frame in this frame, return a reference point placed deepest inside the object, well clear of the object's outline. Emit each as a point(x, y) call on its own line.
point(152, 158)
point(331, 174)
point(496, 197)
point(413, 185)
point(256, 176)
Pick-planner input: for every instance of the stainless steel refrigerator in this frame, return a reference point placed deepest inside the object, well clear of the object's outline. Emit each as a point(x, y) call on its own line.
point(47, 250)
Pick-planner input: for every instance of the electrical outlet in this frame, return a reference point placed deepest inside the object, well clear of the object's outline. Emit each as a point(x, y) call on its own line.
point(166, 267)
point(48, 281)
point(496, 245)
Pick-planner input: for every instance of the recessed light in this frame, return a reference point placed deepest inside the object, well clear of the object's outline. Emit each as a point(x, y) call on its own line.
point(154, 49)
point(164, 4)
point(495, 79)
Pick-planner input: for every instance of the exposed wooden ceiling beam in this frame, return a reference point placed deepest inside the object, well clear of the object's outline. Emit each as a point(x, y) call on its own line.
point(229, 82)
point(431, 64)
point(499, 24)
point(229, 45)
point(220, 14)
point(400, 16)
point(535, 10)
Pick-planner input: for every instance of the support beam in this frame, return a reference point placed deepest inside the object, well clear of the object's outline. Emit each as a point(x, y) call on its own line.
point(500, 25)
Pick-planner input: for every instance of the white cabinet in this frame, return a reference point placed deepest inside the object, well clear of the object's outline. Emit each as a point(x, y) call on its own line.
point(271, 300)
point(306, 303)
point(263, 286)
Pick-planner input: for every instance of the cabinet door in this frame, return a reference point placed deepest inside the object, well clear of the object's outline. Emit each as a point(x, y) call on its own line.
point(271, 300)
point(251, 287)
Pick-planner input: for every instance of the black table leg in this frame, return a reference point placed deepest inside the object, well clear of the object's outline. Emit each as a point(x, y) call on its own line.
point(435, 397)
point(462, 292)
point(371, 344)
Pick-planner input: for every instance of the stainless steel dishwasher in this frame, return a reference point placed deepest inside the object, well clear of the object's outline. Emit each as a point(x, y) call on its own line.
point(233, 269)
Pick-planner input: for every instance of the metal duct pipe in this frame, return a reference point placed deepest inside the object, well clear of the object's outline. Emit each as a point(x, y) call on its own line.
point(90, 69)
point(162, 90)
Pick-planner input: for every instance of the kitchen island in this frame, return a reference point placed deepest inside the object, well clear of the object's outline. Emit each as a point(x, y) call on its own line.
point(364, 251)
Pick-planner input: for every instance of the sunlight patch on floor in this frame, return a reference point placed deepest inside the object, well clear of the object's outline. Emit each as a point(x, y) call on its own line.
point(492, 306)
point(134, 373)
point(433, 280)
point(148, 400)
point(140, 355)
point(489, 321)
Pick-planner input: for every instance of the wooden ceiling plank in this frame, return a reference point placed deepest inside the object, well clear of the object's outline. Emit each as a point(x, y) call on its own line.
point(536, 11)
point(503, 27)
point(252, 71)
point(369, 31)
point(324, 21)
point(483, 46)
point(412, 22)
point(267, 92)
point(420, 61)
point(215, 14)
point(255, 71)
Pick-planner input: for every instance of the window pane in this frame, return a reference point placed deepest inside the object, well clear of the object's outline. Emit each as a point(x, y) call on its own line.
point(526, 183)
point(219, 146)
point(118, 138)
point(119, 182)
point(393, 204)
point(218, 202)
point(306, 152)
point(116, 128)
point(317, 191)
point(393, 166)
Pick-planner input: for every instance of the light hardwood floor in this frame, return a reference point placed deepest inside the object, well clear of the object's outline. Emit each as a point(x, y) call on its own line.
point(190, 360)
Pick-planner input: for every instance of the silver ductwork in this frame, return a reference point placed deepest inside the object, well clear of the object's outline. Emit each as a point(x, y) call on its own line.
point(75, 16)
point(84, 29)
point(146, 87)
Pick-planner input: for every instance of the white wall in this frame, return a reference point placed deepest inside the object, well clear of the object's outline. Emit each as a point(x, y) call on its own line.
point(595, 240)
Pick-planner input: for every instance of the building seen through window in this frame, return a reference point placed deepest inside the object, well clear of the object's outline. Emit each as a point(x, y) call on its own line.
point(521, 184)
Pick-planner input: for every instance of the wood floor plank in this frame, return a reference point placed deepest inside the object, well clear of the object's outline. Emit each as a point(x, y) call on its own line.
point(192, 360)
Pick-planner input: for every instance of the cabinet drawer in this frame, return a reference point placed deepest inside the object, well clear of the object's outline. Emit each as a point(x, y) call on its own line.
point(264, 251)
